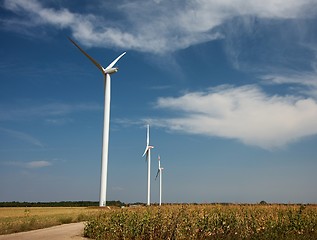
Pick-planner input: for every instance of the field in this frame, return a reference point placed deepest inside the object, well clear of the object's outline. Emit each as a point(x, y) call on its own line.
point(177, 222)
point(18, 219)
point(182, 222)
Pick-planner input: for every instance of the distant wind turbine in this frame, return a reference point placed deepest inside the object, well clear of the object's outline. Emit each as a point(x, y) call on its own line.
point(159, 172)
point(105, 141)
point(148, 158)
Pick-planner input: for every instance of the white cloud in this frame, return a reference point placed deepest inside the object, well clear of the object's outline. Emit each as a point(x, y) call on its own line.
point(38, 164)
point(22, 136)
point(154, 26)
point(117, 188)
point(30, 165)
point(26, 110)
point(41, 15)
point(244, 113)
point(306, 82)
point(58, 121)
point(302, 78)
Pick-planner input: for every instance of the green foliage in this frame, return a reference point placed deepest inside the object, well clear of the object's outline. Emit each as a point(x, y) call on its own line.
point(59, 204)
point(199, 222)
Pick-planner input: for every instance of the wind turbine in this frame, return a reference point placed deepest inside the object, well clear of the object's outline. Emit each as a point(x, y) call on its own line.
point(159, 172)
point(148, 158)
point(105, 139)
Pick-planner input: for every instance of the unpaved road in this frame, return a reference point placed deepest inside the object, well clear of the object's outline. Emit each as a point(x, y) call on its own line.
point(72, 231)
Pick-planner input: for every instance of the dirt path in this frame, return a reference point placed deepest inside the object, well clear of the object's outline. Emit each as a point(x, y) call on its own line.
point(72, 231)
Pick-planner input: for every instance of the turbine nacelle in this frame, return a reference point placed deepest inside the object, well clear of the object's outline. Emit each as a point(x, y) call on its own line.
point(147, 149)
point(111, 70)
point(158, 172)
point(148, 159)
point(108, 70)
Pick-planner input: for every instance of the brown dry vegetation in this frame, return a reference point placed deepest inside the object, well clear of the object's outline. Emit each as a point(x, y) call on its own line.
point(18, 219)
point(182, 222)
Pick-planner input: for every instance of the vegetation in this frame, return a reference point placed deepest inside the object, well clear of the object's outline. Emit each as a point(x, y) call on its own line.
point(59, 204)
point(18, 219)
point(180, 222)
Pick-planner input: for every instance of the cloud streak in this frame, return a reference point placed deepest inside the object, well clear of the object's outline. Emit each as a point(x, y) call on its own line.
point(30, 164)
point(54, 109)
point(156, 26)
point(305, 82)
point(37, 164)
point(243, 113)
point(22, 137)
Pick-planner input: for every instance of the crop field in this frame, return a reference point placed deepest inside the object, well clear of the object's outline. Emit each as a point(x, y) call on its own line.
point(180, 222)
point(18, 219)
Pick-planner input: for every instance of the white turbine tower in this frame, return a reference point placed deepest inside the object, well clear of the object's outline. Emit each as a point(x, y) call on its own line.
point(105, 139)
point(159, 172)
point(148, 158)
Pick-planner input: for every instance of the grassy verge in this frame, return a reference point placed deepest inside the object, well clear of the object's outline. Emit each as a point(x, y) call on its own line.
point(182, 222)
point(18, 219)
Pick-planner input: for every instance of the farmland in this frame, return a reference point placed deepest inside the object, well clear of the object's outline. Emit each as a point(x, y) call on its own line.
point(18, 219)
point(177, 221)
point(182, 222)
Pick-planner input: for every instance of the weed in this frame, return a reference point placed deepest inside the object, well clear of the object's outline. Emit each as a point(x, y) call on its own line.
point(24, 219)
point(65, 220)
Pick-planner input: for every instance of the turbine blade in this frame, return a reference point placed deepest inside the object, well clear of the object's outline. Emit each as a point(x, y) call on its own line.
point(158, 171)
point(115, 61)
point(86, 54)
point(146, 149)
point(148, 135)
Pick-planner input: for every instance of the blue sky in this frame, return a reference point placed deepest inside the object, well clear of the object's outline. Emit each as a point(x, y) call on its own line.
point(229, 88)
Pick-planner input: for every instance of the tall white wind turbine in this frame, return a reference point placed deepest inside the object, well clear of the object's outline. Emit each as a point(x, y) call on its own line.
point(105, 139)
point(159, 173)
point(147, 152)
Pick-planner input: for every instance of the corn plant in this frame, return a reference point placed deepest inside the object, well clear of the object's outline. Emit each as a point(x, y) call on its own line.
point(180, 222)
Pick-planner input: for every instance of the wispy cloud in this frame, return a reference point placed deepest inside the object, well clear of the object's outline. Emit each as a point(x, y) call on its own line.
point(29, 165)
point(161, 87)
point(276, 51)
point(23, 111)
point(261, 45)
point(301, 78)
point(117, 188)
point(156, 26)
point(58, 121)
point(304, 83)
point(124, 122)
point(244, 113)
point(22, 136)
point(38, 164)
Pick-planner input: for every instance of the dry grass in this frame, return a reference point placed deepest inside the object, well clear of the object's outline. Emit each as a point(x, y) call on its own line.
point(18, 219)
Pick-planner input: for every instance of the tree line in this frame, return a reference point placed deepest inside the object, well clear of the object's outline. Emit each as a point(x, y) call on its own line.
point(60, 204)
